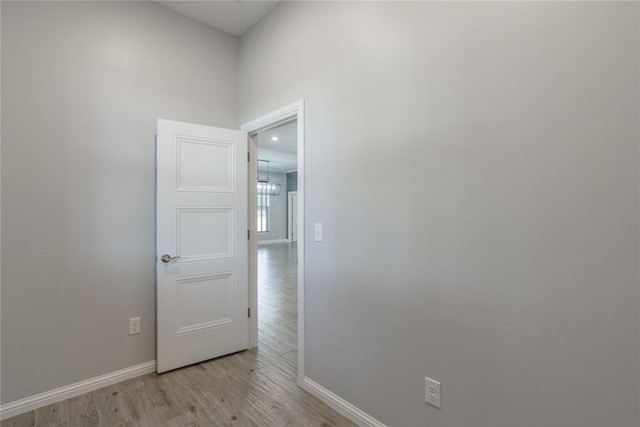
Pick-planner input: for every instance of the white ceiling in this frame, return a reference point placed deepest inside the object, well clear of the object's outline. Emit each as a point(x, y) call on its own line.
point(232, 16)
point(283, 153)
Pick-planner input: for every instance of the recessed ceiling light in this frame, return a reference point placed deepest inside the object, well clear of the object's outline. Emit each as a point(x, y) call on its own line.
point(274, 138)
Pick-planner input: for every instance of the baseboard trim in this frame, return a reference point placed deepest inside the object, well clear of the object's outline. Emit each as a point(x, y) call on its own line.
point(271, 242)
point(39, 400)
point(339, 404)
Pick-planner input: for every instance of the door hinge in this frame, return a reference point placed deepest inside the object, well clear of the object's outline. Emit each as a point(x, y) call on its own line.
point(248, 234)
point(248, 156)
point(249, 312)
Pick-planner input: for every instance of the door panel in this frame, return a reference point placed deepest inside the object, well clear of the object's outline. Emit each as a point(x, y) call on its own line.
point(204, 233)
point(203, 302)
point(194, 158)
point(202, 293)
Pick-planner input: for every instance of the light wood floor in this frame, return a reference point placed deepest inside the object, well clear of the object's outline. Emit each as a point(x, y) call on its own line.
point(252, 388)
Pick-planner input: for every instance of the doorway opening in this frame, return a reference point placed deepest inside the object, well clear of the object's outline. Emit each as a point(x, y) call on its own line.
point(276, 223)
point(276, 253)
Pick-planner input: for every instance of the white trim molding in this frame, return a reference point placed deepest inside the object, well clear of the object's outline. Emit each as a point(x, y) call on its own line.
point(276, 118)
point(39, 400)
point(356, 415)
point(272, 242)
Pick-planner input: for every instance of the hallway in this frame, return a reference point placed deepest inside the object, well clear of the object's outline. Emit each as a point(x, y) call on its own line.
point(278, 304)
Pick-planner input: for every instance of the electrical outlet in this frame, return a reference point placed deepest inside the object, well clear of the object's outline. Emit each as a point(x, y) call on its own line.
point(432, 392)
point(134, 325)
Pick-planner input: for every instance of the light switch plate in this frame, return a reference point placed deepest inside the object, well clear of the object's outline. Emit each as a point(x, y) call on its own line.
point(317, 232)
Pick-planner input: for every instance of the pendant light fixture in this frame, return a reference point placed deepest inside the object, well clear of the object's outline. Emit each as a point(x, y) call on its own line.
point(266, 186)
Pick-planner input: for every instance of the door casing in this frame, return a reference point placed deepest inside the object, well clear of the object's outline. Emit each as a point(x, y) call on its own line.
point(294, 111)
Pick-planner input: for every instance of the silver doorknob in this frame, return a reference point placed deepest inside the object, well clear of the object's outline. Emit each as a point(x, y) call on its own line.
point(169, 258)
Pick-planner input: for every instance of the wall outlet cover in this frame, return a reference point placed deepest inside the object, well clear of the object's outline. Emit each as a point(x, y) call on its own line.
point(134, 325)
point(432, 392)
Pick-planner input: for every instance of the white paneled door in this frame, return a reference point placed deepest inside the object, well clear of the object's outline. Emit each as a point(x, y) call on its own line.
point(202, 266)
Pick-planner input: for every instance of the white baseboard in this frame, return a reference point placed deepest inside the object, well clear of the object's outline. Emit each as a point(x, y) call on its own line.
point(336, 402)
point(39, 400)
point(271, 242)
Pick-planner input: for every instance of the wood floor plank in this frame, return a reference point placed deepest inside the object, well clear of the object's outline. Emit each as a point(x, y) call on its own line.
point(199, 411)
point(157, 417)
point(233, 410)
point(138, 401)
point(258, 394)
point(131, 383)
point(22, 420)
point(54, 415)
point(81, 411)
point(282, 380)
point(111, 407)
point(255, 359)
point(215, 404)
point(151, 382)
point(168, 399)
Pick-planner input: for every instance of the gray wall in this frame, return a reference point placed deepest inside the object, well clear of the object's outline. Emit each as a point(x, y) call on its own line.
point(506, 265)
point(292, 181)
point(278, 210)
point(82, 86)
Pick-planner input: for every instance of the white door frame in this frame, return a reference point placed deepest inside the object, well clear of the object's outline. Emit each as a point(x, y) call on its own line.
point(290, 195)
point(291, 112)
